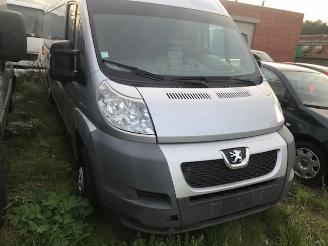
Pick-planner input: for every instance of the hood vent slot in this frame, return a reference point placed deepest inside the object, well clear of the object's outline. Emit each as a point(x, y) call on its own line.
point(234, 94)
point(188, 96)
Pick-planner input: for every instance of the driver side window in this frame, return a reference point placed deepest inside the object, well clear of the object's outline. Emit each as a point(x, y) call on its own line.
point(275, 82)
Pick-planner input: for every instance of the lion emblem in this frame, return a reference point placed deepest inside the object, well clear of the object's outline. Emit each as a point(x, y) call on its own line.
point(237, 155)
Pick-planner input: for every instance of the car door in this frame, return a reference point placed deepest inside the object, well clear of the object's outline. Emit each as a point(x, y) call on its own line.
point(62, 90)
point(287, 102)
point(54, 31)
point(70, 90)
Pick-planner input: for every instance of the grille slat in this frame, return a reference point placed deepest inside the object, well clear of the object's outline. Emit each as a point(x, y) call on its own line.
point(236, 94)
point(188, 96)
point(212, 173)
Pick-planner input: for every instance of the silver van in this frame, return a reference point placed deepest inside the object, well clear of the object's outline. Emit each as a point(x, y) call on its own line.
point(12, 48)
point(172, 124)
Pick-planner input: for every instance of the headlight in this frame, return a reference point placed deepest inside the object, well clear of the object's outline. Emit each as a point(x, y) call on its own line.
point(278, 109)
point(125, 114)
point(276, 104)
point(267, 88)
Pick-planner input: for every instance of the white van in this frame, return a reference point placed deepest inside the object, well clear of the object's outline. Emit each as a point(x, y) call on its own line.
point(172, 124)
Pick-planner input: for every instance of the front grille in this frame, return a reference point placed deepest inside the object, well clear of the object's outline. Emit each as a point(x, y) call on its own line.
point(233, 192)
point(212, 173)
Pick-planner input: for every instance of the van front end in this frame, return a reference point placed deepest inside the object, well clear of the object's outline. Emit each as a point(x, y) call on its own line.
point(171, 188)
point(199, 167)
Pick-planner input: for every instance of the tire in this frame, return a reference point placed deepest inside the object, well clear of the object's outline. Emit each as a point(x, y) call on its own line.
point(311, 163)
point(85, 181)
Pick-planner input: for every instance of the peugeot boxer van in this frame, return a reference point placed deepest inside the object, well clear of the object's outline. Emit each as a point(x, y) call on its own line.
point(12, 48)
point(171, 122)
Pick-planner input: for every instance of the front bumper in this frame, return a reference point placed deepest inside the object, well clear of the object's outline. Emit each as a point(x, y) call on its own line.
point(136, 183)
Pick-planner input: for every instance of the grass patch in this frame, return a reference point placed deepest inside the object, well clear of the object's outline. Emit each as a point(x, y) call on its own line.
point(38, 160)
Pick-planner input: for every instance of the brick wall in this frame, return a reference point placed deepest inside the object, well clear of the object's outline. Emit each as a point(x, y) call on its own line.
point(278, 31)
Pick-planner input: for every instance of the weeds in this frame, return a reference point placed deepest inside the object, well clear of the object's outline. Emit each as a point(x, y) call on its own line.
point(52, 219)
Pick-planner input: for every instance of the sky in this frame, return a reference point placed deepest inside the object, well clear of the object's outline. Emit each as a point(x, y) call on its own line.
point(313, 9)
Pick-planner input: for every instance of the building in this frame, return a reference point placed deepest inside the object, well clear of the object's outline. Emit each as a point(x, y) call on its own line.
point(2, 3)
point(271, 30)
point(313, 49)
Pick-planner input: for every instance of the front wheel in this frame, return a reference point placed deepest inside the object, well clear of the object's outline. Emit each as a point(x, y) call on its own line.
point(311, 163)
point(85, 183)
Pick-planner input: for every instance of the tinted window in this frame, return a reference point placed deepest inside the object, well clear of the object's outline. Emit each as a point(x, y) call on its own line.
point(311, 88)
point(275, 82)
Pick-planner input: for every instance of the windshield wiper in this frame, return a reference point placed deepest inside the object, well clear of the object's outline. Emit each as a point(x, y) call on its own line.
point(136, 70)
point(202, 81)
point(244, 80)
point(315, 106)
point(208, 81)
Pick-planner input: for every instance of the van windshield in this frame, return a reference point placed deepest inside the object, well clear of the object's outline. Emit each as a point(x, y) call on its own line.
point(169, 41)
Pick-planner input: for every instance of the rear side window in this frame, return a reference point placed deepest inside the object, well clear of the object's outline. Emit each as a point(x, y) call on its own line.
point(275, 82)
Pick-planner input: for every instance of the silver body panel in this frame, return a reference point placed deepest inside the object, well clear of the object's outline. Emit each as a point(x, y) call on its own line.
point(176, 154)
point(217, 118)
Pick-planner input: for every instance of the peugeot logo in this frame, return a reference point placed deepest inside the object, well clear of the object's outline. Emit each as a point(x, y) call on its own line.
point(236, 158)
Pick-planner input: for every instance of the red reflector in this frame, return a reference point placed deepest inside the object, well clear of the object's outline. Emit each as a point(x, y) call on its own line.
point(326, 73)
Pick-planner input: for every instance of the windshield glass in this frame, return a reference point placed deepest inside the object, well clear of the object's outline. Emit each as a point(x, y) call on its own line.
point(311, 88)
point(169, 41)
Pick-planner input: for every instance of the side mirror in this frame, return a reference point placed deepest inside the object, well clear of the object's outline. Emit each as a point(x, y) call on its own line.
point(12, 36)
point(63, 62)
point(258, 59)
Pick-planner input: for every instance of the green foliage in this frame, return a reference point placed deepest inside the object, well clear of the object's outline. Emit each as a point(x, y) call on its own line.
point(314, 27)
point(52, 219)
point(292, 236)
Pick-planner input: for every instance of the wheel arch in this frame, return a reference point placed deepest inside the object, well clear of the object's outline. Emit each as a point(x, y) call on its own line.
point(81, 132)
point(307, 138)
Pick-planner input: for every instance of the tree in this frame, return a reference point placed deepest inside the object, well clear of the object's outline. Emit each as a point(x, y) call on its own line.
point(314, 27)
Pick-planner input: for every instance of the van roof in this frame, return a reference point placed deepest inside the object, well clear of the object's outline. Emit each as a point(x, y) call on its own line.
point(212, 6)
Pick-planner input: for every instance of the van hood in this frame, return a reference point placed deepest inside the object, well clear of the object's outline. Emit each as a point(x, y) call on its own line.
point(212, 114)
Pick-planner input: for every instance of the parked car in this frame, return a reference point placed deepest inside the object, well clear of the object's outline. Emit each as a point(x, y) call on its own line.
point(302, 93)
point(262, 55)
point(171, 122)
point(12, 48)
point(319, 68)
